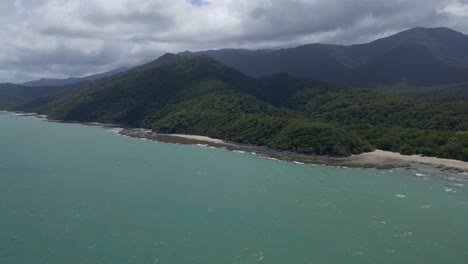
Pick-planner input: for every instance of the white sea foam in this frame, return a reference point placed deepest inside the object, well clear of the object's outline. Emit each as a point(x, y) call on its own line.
point(297, 162)
point(401, 196)
point(260, 256)
point(239, 151)
point(450, 190)
point(426, 206)
point(420, 175)
point(115, 130)
point(453, 179)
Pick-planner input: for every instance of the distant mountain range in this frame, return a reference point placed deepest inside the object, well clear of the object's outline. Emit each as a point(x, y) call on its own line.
point(15, 94)
point(199, 95)
point(72, 80)
point(12, 94)
point(419, 56)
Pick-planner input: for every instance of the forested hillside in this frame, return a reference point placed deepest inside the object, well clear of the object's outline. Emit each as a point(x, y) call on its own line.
point(202, 96)
point(438, 93)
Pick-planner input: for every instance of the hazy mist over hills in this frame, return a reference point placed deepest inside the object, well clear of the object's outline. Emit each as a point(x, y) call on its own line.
point(73, 80)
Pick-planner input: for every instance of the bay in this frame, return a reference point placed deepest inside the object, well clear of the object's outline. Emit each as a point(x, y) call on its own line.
point(77, 194)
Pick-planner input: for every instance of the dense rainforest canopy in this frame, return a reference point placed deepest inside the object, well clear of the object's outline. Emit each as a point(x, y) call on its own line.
point(199, 95)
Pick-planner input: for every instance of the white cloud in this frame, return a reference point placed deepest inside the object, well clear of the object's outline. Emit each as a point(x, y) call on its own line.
point(456, 9)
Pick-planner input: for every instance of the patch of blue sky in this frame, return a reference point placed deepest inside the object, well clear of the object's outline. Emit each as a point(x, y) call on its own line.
point(198, 2)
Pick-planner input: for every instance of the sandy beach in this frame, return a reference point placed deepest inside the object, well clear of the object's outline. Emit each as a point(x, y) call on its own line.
point(200, 138)
point(380, 156)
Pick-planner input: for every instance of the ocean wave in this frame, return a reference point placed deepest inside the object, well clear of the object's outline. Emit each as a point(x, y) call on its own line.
point(449, 190)
point(116, 130)
point(453, 179)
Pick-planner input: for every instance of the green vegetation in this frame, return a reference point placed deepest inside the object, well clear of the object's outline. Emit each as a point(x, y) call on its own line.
point(442, 93)
point(387, 122)
point(201, 96)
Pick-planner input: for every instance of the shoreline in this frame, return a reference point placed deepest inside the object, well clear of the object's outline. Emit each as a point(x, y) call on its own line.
point(379, 156)
point(377, 159)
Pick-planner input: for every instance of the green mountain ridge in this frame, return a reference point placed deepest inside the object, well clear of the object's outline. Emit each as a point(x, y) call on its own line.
point(198, 95)
point(421, 56)
point(422, 63)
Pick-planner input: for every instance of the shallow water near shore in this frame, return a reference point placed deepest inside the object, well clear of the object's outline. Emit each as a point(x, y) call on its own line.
point(76, 194)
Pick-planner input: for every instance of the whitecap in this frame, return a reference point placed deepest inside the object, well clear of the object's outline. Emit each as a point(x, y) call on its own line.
point(260, 256)
point(450, 190)
point(297, 162)
point(400, 196)
point(453, 179)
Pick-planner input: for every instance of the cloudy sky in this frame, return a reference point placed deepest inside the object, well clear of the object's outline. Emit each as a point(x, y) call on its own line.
point(61, 38)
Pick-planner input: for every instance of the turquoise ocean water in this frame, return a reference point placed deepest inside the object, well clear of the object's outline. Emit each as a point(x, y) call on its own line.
point(76, 194)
